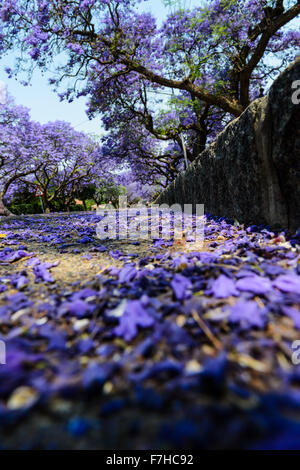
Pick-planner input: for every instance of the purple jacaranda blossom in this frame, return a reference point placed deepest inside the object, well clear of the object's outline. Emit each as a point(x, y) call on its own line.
point(180, 285)
point(162, 256)
point(86, 3)
point(56, 337)
point(84, 294)
point(9, 242)
point(42, 274)
point(113, 270)
point(174, 335)
point(247, 314)
point(134, 315)
point(57, 341)
point(46, 239)
point(223, 287)
point(33, 262)
point(41, 271)
point(105, 350)
point(180, 261)
point(293, 313)
point(272, 269)
point(85, 345)
point(78, 308)
point(57, 240)
point(245, 271)
point(163, 370)
point(14, 255)
point(17, 302)
point(47, 308)
point(15, 372)
point(51, 264)
point(288, 283)
point(21, 281)
point(116, 254)
point(85, 239)
point(275, 297)
point(254, 284)
point(127, 274)
point(158, 243)
point(22, 247)
point(97, 374)
point(205, 257)
point(145, 348)
point(99, 248)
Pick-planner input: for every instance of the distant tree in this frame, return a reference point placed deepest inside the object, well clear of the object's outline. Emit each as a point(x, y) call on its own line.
point(20, 146)
point(69, 161)
point(52, 158)
point(108, 190)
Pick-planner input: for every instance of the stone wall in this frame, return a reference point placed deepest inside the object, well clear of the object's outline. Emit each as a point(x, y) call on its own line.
point(252, 171)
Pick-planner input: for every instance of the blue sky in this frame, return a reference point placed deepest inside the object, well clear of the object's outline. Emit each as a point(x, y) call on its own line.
point(44, 103)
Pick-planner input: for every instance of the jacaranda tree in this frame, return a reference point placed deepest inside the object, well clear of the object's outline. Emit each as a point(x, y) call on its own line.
point(20, 146)
point(52, 159)
point(217, 57)
point(68, 160)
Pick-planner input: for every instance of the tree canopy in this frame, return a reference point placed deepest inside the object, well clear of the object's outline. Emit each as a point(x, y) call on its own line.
point(52, 157)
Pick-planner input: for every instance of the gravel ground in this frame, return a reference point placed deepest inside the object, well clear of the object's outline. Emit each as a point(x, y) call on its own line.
point(189, 378)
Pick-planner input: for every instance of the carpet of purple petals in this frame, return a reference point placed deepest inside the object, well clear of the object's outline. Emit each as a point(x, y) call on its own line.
point(155, 346)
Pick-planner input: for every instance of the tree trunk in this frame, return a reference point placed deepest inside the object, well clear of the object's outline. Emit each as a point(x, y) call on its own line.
point(3, 210)
point(46, 204)
point(199, 145)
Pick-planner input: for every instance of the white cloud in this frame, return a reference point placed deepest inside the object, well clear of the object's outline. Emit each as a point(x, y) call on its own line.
point(2, 93)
